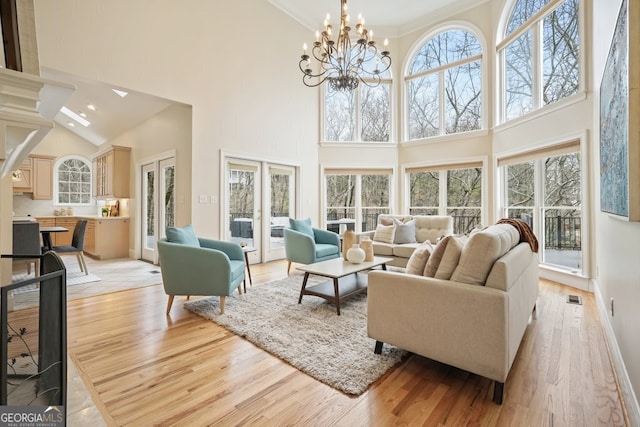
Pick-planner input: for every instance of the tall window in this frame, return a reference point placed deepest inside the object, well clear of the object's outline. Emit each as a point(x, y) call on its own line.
point(453, 190)
point(361, 115)
point(444, 86)
point(545, 190)
point(540, 55)
point(73, 181)
point(354, 199)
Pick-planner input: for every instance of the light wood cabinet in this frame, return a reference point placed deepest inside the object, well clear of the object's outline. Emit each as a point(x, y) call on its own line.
point(25, 184)
point(107, 238)
point(112, 171)
point(36, 178)
point(42, 178)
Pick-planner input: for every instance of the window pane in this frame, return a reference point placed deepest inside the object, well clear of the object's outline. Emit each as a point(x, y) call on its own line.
point(563, 238)
point(423, 107)
point(524, 214)
point(375, 113)
point(560, 49)
point(464, 187)
point(424, 190)
point(518, 77)
point(463, 101)
point(374, 199)
point(522, 11)
point(340, 113)
point(465, 220)
point(341, 190)
point(74, 182)
point(445, 48)
point(562, 180)
point(520, 185)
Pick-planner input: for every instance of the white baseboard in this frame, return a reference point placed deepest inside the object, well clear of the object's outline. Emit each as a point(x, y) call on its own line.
point(629, 398)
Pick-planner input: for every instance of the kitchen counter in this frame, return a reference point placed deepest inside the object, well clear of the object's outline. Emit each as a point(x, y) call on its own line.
point(81, 216)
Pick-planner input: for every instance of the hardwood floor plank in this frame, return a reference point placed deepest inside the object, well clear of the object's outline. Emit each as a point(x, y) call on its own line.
point(146, 368)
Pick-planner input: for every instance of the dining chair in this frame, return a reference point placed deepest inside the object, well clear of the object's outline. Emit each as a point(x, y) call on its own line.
point(77, 245)
point(26, 241)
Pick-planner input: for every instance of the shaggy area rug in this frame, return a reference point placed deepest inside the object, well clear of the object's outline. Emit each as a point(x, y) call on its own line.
point(310, 336)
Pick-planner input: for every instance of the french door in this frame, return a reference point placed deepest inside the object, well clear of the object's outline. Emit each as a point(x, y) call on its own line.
point(158, 204)
point(253, 188)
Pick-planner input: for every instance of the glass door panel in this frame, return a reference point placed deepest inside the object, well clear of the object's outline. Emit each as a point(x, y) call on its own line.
point(281, 205)
point(148, 216)
point(243, 204)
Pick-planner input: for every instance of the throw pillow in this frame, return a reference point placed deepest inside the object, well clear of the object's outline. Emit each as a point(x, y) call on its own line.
point(185, 235)
point(405, 233)
point(384, 233)
point(301, 225)
point(450, 257)
point(418, 259)
point(436, 256)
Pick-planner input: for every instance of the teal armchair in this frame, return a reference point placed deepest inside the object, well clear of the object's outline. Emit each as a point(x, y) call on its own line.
point(302, 248)
point(214, 268)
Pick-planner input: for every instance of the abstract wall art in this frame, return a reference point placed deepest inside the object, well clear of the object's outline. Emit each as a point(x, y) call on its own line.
point(620, 119)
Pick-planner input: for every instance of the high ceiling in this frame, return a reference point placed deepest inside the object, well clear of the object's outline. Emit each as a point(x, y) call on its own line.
point(114, 115)
point(390, 18)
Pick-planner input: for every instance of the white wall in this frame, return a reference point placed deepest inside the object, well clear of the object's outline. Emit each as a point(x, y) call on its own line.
point(169, 130)
point(617, 242)
point(235, 63)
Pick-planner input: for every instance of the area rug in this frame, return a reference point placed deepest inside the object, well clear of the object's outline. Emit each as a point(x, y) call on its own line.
point(73, 278)
point(310, 336)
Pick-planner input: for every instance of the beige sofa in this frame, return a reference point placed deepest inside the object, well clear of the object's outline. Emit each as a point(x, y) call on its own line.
point(427, 227)
point(475, 320)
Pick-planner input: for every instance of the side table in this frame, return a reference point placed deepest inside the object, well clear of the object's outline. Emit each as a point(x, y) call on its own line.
point(247, 250)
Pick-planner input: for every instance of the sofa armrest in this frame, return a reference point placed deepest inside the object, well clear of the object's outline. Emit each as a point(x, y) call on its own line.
point(326, 237)
point(231, 249)
point(455, 323)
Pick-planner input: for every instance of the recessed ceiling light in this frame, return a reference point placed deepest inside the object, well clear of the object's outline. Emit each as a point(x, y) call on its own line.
point(91, 107)
point(67, 112)
point(72, 124)
point(83, 115)
point(120, 93)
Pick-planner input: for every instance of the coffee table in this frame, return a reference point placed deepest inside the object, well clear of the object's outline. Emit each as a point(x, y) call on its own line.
point(345, 281)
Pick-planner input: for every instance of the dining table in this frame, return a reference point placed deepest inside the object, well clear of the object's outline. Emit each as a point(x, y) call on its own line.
point(46, 236)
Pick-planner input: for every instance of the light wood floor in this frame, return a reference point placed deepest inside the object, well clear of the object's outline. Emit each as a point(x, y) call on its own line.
point(145, 368)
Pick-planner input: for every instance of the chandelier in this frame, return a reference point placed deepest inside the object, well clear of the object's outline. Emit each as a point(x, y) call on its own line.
point(342, 64)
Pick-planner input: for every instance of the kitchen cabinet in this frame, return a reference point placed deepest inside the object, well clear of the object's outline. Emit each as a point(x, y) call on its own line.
point(25, 183)
point(42, 177)
point(107, 238)
point(111, 173)
point(104, 238)
point(36, 177)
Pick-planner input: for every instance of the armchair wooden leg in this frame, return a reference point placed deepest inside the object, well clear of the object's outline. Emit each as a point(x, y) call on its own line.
point(169, 303)
point(498, 392)
point(288, 268)
point(222, 300)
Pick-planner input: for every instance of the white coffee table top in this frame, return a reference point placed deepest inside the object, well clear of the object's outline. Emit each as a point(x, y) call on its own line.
point(338, 267)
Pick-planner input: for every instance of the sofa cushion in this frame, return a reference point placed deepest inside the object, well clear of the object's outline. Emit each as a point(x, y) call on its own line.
point(323, 250)
point(418, 259)
point(384, 233)
point(406, 250)
point(383, 249)
point(185, 236)
point(388, 219)
point(432, 227)
point(450, 257)
point(482, 250)
point(438, 253)
point(301, 225)
point(405, 232)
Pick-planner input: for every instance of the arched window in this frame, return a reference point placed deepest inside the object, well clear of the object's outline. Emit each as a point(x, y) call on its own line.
point(444, 86)
point(539, 56)
point(72, 181)
point(360, 115)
